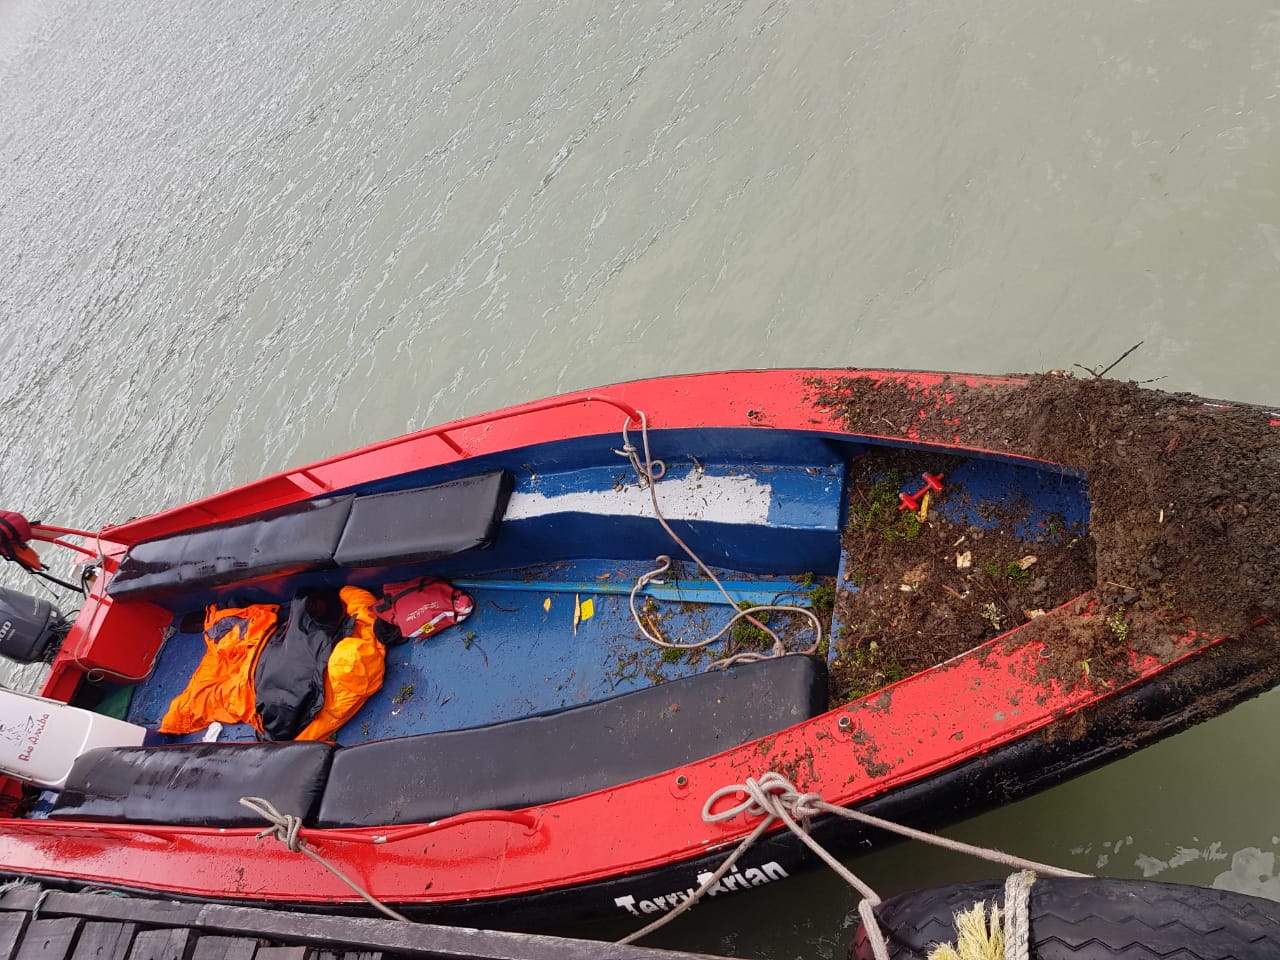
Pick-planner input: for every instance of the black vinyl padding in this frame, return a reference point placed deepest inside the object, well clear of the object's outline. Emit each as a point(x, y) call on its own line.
point(425, 523)
point(549, 757)
point(194, 784)
point(382, 529)
point(276, 543)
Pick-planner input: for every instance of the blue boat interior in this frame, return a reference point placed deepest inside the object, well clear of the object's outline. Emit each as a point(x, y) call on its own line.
point(552, 628)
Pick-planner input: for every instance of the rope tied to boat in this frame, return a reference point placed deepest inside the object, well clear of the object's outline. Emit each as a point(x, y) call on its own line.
point(649, 470)
point(287, 828)
point(773, 797)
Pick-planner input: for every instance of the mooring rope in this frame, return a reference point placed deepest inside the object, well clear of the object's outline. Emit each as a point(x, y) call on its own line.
point(286, 828)
point(1017, 915)
point(648, 472)
point(774, 797)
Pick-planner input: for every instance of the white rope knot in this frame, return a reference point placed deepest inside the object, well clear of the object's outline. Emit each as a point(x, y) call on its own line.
point(650, 469)
point(765, 797)
point(806, 806)
point(773, 797)
point(284, 826)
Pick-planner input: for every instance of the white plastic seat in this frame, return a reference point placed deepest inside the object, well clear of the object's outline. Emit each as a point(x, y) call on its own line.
point(40, 739)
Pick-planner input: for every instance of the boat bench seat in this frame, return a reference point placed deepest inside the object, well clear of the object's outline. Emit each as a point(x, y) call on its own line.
point(576, 750)
point(194, 784)
point(510, 765)
point(399, 527)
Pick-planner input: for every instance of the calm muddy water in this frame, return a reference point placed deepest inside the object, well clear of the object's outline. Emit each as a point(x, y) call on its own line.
point(240, 236)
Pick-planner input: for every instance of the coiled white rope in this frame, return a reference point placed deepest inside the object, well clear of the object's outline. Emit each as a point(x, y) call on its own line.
point(648, 472)
point(774, 797)
point(285, 827)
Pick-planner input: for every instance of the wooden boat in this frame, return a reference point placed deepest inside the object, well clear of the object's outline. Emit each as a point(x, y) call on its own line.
point(1017, 579)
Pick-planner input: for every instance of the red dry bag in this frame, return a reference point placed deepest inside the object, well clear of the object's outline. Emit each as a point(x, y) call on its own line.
point(423, 607)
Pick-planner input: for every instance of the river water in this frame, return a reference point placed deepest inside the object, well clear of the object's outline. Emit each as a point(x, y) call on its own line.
point(240, 236)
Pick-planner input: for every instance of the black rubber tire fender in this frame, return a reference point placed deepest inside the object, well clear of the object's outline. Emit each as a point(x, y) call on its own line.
point(1092, 919)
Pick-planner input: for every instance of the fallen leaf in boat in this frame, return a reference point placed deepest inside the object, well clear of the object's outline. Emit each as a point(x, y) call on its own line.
point(1032, 614)
point(916, 575)
point(546, 605)
point(964, 560)
point(1027, 562)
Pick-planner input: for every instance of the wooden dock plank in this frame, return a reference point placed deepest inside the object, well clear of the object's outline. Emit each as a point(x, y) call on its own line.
point(171, 944)
point(224, 948)
point(285, 953)
point(48, 939)
point(11, 927)
point(101, 940)
point(351, 934)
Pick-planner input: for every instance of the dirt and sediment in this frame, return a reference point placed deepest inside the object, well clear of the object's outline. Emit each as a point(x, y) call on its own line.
point(1183, 536)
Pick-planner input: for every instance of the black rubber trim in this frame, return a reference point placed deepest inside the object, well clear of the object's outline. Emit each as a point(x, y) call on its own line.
point(1091, 919)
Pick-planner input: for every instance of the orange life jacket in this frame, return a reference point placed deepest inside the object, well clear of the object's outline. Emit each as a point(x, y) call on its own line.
point(221, 689)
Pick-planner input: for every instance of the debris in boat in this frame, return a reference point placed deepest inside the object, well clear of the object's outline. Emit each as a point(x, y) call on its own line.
point(909, 612)
point(546, 605)
point(1211, 563)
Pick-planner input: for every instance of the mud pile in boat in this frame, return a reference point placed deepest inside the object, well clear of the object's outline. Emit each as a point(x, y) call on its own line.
point(929, 589)
point(1184, 528)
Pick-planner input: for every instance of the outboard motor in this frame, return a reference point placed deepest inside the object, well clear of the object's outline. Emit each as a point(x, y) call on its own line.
point(29, 626)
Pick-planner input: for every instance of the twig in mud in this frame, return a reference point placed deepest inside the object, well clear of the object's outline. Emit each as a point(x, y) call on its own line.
point(1099, 374)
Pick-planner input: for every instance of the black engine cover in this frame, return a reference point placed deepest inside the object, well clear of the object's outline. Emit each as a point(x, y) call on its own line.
point(28, 626)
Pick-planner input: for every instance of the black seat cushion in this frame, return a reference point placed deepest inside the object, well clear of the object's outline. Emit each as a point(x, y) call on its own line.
point(194, 784)
point(425, 523)
point(549, 757)
point(298, 537)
